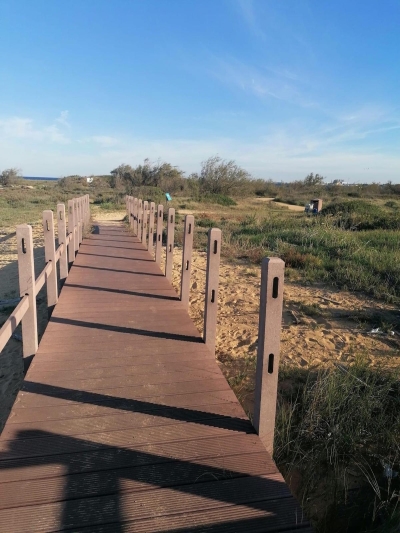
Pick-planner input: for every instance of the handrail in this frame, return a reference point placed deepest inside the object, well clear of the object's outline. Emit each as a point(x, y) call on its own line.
point(59, 251)
point(12, 321)
point(41, 279)
point(25, 311)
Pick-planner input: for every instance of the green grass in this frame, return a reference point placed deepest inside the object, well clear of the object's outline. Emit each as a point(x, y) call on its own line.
point(322, 251)
point(19, 205)
point(337, 426)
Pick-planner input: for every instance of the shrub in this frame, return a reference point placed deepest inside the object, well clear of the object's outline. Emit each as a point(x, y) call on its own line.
point(335, 423)
point(10, 176)
point(219, 199)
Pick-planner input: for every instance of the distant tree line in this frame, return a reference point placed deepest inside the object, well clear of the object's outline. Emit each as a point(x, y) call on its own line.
point(216, 177)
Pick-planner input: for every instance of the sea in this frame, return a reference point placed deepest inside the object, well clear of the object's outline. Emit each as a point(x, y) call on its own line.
point(39, 178)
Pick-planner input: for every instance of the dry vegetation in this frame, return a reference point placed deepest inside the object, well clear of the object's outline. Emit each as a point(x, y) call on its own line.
point(338, 423)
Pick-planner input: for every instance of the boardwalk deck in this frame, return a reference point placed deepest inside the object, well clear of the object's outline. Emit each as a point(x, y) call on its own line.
point(125, 422)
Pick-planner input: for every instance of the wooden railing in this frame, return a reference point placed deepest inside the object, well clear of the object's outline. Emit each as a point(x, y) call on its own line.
point(141, 219)
point(69, 239)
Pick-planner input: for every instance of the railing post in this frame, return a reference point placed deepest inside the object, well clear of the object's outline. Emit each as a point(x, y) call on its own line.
point(169, 256)
point(50, 256)
point(269, 334)
point(130, 213)
point(135, 214)
point(187, 259)
point(139, 220)
point(71, 230)
point(82, 208)
point(159, 232)
point(144, 224)
point(88, 209)
point(76, 226)
point(62, 237)
point(150, 246)
point(26, 274)
point(212, 283)
point(78, 204)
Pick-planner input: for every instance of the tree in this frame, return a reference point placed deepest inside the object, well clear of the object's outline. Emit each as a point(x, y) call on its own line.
point(312, 181)
point(10, 176)
point(162, 175)
point(218, 176)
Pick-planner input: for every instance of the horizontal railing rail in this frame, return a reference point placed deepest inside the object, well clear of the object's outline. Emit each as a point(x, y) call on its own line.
point(271, 299)
point(26, 310)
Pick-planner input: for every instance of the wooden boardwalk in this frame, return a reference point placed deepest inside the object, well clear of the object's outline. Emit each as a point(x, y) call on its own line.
point(125, 422)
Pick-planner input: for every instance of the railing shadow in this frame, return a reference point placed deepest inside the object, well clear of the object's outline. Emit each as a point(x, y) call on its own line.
point(94, 488)
point(122, 291)
point(151, 274)
point(129, 331)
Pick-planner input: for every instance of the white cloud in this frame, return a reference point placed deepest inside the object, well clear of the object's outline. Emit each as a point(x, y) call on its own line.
point(63, 119)
point(20, 128)
point(24, 128)
point(104, 140)
point(264, 83)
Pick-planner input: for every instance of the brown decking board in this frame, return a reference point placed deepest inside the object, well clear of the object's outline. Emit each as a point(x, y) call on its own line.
point(125, 422)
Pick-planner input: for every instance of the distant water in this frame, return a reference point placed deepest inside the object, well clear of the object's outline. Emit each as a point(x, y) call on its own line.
point(39, 178)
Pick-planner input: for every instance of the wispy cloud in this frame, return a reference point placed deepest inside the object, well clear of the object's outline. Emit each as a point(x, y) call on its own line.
point(63, 119)
point(24, 128)
point(264, 83)
point(247, 11)
point(104, 140)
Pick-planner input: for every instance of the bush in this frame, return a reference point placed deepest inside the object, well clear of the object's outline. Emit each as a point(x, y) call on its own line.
point(336, 423)
point(10, 176)
point(361, 215)
point(219, 199)
point(220, 177)
point(206, 223)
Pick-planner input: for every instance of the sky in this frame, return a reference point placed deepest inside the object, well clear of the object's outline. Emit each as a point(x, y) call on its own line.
point(284, 87)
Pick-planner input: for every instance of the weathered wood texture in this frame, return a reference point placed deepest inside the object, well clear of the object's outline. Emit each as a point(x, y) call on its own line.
point(125, 422)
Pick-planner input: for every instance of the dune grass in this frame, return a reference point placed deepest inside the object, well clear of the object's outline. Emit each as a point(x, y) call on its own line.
point(338, 434)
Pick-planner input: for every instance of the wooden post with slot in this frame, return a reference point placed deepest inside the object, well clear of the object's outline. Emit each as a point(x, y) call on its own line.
point(135, 214)
point(78, 220)
point(50, 257)
point(144, 223)
point(76, 225)
point(62, 238)
point(269, 334)
point(159, 232)
point(150, 246)
point(212, 283)
point(139, 221)
point(187, 259)
point(71, 230)
point(169, 256)
point(130, 213)
point(26, 274)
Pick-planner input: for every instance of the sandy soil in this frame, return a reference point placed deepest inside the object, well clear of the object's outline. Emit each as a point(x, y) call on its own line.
point(279, 204)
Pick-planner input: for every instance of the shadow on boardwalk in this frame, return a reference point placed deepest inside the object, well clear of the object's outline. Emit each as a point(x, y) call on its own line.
point(94, 489)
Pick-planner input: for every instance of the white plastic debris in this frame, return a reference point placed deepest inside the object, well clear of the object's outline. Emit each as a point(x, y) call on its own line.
point(376, 330)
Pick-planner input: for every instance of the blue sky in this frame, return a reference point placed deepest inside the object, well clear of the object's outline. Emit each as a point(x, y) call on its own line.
point(283, 87)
